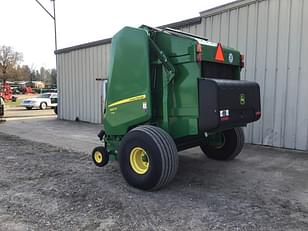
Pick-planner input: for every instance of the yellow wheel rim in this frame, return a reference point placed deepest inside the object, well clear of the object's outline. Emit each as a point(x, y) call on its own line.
point(139, 160)
point(98, 157)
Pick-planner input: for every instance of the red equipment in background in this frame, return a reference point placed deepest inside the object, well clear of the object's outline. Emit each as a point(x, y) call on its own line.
point(5, 91)
point(27, 90)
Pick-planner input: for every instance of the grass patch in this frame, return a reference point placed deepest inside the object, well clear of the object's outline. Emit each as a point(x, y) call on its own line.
point(10, 103)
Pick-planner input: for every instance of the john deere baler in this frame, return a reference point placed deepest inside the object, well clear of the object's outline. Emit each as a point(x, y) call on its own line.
point(169, 91)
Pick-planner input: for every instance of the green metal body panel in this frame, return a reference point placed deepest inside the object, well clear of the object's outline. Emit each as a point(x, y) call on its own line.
point(129, 79)
point(161, 68)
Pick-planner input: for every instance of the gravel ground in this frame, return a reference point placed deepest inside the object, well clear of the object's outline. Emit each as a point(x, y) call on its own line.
point(43, 187)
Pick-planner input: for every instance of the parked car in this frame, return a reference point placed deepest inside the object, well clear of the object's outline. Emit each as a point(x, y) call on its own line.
point(42, 101)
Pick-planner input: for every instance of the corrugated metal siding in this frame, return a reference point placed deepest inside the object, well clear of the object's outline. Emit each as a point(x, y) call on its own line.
point(80, 94)
point(193, 29)
point(273, 35)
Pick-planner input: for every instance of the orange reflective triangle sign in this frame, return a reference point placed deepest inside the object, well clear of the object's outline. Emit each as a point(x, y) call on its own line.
point(219, 54)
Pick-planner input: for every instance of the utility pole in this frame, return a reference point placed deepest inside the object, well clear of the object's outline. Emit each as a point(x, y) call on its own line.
point(53, 17)
point(55, 23)
point(55, 30)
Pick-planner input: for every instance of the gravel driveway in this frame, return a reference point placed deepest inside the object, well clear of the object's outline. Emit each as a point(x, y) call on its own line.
point(43, 187)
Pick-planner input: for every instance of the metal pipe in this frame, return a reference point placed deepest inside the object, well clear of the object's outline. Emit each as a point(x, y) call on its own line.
point(55, 23)
point(45, 9)
point(53, 17)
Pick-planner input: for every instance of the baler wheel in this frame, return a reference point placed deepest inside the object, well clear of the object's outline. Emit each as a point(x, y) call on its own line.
point(148, 158)
point(233, 142)
point(100, 156)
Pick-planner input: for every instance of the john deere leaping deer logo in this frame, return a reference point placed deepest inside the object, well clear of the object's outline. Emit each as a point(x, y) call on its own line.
point(242, 99)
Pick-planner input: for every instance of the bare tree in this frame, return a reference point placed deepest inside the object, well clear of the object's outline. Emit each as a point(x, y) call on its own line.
point(9, 60)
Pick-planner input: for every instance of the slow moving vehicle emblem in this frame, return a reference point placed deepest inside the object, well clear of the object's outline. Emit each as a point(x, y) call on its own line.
point(219, 56)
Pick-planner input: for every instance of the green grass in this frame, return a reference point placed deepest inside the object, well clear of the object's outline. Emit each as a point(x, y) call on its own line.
point(13, 104)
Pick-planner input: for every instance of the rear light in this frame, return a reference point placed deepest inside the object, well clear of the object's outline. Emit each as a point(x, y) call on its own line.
point(258, 114)
point(224, 115)
point(242, 61)
point(199, 52)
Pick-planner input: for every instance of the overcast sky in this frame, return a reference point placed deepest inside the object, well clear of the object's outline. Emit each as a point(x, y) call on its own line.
point(28, 29)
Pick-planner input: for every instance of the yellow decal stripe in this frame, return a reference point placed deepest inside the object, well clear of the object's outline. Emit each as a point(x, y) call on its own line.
point(128, 100)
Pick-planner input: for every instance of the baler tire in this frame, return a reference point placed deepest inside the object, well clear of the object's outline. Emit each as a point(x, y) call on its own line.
point(160, 152)
point(100, 156)
point(233, 145)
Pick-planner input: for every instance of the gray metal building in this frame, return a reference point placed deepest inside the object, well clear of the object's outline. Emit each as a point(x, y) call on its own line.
point(273, 35)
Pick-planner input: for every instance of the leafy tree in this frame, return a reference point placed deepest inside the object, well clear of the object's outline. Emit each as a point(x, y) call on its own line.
point(10, 69)
point(9, 60)
point(26, 73)
point(43, 74)
point(37, 76)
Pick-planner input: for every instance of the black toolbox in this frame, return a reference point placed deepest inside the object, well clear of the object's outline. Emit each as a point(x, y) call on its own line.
point(225, 104)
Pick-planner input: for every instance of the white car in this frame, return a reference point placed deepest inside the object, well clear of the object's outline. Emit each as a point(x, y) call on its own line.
point(41, 101)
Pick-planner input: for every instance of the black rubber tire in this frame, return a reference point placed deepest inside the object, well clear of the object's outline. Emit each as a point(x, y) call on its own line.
point(55, 109)
point(233, 145)
point(28, 108)
point(42, 107)
point(105, 156)
point(161, 151)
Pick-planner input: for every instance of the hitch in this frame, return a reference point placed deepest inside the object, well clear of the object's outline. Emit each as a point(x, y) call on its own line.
point(101, 135)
